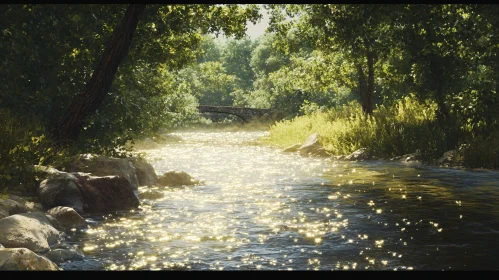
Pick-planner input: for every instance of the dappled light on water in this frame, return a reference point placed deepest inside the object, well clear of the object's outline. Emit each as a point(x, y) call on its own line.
point(260, 209)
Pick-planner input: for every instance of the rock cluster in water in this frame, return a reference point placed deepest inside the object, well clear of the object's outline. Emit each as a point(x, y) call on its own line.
point(32, 233)
point(313, 147)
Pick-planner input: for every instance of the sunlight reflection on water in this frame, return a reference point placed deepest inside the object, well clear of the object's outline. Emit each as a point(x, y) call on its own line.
point(260, 209)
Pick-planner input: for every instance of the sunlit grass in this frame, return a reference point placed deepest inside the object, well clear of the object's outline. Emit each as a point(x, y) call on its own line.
point(391, 131)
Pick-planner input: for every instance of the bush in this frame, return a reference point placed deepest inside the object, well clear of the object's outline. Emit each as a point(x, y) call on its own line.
point(482, 152)
point(23, 143)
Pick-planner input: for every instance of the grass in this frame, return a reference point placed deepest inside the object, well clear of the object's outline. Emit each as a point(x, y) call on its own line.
point(406, 126)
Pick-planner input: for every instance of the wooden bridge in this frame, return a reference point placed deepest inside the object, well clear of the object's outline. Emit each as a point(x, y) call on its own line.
point(246, 114)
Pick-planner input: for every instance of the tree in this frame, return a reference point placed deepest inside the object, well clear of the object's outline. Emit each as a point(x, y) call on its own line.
point(230, 19)
point(72, 121)
point(360, 32)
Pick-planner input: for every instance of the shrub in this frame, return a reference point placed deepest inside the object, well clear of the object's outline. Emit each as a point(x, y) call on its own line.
point(23, 143)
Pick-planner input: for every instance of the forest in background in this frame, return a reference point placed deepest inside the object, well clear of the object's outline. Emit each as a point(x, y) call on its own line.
point(394, 79)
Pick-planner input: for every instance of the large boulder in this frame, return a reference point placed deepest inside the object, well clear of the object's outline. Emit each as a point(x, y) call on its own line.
point(24, 259)
point(64, 255)
point(61, 190)
point(146, 175)
point(312, 147)
point(98, 165)
point(176, 178)
point(43, 172)
point(360, 154)
point(67, 217)
point(28, 230)
point(106, 194)
point(87, 194)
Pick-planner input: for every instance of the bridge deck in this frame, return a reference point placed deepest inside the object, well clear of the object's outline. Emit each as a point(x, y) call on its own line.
point(243, 112)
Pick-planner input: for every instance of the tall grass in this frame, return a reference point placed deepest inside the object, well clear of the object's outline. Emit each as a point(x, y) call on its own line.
point(405, 126)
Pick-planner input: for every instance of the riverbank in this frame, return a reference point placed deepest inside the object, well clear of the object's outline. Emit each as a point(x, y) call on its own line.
point(406, 128)
point(34, 227)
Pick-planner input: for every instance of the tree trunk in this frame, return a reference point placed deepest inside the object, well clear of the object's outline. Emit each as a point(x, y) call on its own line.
point(370, 83)
point(85, 103)
point(437, 82)
point(363, 89)
point(366, 86)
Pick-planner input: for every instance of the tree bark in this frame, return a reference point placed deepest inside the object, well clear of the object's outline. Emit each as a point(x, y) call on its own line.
point(437, 81)
point(362, 88)
point(366, 85)
point(370, 83)
point(85, 103)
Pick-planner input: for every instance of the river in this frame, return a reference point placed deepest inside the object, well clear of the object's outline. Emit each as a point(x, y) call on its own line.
point(260, 209)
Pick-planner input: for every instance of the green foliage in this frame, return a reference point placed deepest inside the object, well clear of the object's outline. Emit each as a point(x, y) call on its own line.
point(236, 57)
point(401, 128)
point(24, 143)
point(49, 53)
point(310, 64)
point(483, 152)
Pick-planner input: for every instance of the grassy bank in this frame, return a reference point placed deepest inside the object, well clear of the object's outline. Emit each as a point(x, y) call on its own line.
point(404, 127)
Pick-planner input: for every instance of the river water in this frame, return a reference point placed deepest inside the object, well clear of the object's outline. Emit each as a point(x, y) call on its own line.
point(260, 209)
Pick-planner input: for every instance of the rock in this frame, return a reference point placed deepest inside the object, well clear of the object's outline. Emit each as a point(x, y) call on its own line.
point(61, 190)
point(176, 178)
point(451, 158)
point(410, 157)
point(312, 146)
point(151, 194)
point(67, 217)
point(106, 194)
point(44, 172)
point(98, 165)
point(88, 194)
point(340, 157)
point(10, 207)
point(146, 175)
point(28, 202)
point(360, 154)
point(24, 259)
point(1, 246)
point(64, 255)
point(292, 149)
point(28, 230)
point(54, 222)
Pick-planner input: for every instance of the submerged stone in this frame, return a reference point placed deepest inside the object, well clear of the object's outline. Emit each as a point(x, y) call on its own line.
point(176, 178)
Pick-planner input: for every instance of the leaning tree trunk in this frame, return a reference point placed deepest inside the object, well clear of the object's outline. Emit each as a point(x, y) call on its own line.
point(85, 103)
